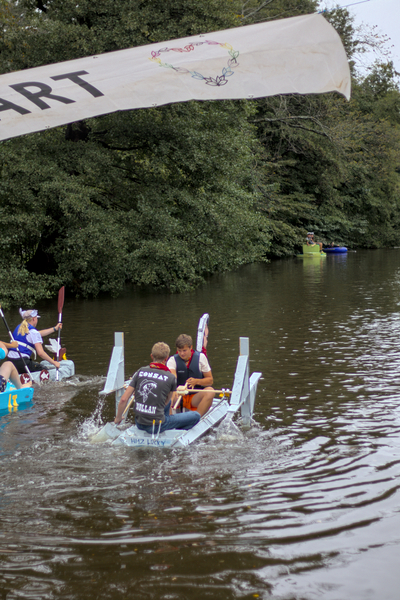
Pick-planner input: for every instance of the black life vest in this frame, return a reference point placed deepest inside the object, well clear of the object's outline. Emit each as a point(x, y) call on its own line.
point(183, 373)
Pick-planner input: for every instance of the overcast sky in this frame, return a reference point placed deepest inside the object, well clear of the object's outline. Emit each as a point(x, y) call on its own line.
point(385, 14)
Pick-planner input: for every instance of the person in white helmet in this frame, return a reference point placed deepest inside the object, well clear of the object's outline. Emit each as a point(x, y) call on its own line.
point(30, 342)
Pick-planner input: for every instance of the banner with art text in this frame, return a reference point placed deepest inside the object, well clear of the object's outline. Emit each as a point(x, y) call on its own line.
point(300, 55)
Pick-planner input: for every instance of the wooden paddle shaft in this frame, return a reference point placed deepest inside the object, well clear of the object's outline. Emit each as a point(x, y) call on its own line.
point(128, 406)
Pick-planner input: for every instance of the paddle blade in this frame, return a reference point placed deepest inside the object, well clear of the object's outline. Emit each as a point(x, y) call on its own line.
point(61, 296)
point(109, 432)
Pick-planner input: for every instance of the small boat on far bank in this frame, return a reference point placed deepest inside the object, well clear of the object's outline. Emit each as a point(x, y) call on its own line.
point(311, 252)
point(335, 250)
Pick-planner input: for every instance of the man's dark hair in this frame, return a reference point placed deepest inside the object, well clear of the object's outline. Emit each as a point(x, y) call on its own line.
point(183, 340)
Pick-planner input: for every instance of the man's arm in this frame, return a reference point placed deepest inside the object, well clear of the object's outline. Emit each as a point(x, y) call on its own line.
point(207, 380)
point(10, 345)
point(122, 403)
point(173, 397)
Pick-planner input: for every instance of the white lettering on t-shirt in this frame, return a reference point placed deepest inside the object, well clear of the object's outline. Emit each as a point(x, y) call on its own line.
point(145, 409)
point(153, 375)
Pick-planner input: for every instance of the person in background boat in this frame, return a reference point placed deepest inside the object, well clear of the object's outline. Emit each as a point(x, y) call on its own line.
point(192, 369)
point(205, 341)
point(311, 242)
point(30, 340)
point(154, 387)
point(4, 348)
point(8, 370)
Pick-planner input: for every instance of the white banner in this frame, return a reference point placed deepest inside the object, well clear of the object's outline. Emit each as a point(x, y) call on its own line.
point(300, 55)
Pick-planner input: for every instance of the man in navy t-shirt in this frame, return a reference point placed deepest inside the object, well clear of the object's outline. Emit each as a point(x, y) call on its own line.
point(154, 387)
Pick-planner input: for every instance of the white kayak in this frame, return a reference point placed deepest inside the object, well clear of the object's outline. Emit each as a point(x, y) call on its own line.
point(67, 369)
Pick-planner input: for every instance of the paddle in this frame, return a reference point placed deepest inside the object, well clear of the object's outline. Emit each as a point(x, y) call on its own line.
point(194, 391)
point(12, 339)
point(127, 407)
point(111, 430)
point(61, 296)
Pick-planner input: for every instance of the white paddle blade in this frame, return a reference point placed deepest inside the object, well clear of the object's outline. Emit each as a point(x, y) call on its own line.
point(201, 328)
point(54, 346)
point(109, 432)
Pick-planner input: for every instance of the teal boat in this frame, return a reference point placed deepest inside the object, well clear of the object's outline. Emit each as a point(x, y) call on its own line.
point(12, 398)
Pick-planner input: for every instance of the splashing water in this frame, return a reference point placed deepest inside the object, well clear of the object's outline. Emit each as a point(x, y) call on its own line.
point(91, 425)
point(228, 431)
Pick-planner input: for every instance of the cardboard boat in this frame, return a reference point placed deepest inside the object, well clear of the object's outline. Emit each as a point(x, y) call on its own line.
point(241, 398)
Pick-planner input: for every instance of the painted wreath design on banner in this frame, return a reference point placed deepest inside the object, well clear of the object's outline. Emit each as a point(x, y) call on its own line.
point(214, 81)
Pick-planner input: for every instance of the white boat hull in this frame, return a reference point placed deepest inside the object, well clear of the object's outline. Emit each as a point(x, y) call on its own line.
point(67, 369)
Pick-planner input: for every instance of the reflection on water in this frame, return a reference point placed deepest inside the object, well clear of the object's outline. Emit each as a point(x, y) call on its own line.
point(302, 506)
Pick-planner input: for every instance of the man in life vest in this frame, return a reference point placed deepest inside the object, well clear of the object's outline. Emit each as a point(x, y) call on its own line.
point(154, 387)
point(192, 369)
point(30, 341)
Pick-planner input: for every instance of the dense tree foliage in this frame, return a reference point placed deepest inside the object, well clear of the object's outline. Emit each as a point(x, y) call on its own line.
point(165, 196)
point(333, 166)
point(161, 196)
point(151, 197)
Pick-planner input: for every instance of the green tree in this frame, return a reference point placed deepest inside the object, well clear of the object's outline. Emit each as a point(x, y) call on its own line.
point(329, 165)
point(56, 30)
point(166, 196)
point(161, 196)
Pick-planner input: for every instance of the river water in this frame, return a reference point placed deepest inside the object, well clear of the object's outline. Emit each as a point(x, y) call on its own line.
point(304, 506)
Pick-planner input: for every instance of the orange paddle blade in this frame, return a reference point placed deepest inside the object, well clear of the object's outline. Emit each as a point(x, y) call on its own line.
point(61, 296)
